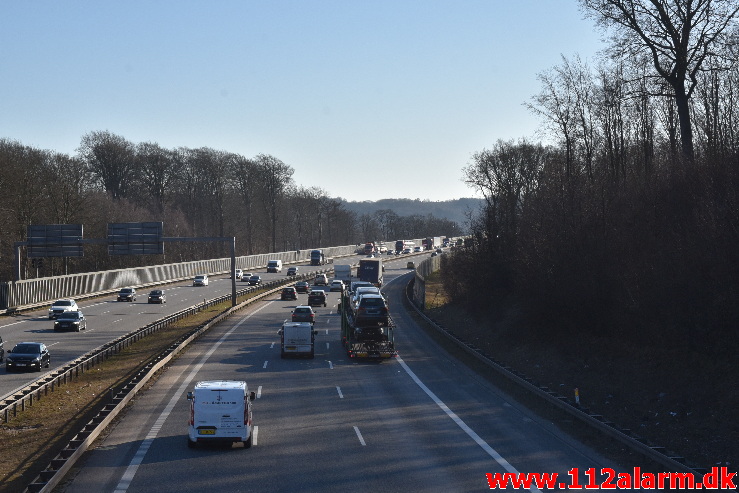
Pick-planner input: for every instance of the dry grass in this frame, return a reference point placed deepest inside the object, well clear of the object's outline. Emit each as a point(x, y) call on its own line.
point(29, 441)
point(675, 396)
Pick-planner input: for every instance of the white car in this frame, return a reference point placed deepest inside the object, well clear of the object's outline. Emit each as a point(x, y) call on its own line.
point(239, 274)
point(337, 285)
point(417, 249)
point(61, 306)
point(200, 280)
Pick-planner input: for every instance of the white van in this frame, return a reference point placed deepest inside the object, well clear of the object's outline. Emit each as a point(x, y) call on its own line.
point(220, 411)
point(297, 338)
point(274, 266)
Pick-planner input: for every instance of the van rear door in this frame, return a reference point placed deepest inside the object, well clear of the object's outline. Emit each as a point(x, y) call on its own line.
point(297, 338)
point(220, 413)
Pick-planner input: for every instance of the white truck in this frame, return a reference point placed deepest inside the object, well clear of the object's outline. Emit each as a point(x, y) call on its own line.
point(220, 411)
point(343, 272)
point(297, 339)
point(274, 266)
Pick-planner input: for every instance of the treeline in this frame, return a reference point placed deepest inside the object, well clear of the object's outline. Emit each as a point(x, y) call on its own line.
point(629, 224)
point(199, 192)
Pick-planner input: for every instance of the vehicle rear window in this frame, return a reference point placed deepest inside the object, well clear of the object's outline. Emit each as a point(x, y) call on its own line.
point(372, 302)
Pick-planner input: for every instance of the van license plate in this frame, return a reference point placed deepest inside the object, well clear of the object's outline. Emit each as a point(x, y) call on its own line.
point(207, 432)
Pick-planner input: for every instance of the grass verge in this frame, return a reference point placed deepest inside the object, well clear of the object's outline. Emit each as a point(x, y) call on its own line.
point(30, 440)
point(674, 396)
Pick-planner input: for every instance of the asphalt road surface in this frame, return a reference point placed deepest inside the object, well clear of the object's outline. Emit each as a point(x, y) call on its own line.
point(419, 422)
point(108, 319)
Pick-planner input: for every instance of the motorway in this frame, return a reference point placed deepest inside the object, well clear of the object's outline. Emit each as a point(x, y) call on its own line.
point(419, 422)
point(108, 319)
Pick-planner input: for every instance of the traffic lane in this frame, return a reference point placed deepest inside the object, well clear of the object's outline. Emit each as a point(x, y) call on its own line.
point(327, 436)
point(388, 435)
point(230, 350)
point(410, 442)
point(527, 442)
point(251, 353)
point(242, 356)
point(107, 319)
point(402, 441)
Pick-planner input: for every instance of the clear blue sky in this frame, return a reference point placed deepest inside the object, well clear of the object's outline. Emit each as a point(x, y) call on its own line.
point(404, 91)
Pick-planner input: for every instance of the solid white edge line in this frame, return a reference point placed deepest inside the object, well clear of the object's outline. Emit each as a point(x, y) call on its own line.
point(359, 435)
point(138, 458)
point(487, 448)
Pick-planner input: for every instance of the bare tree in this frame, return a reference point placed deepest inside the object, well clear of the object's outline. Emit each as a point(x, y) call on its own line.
point(678, 36)
point(245, 174)
point(385, 219)
point(159, 170)
point(276, 178)
point(110, 158)
point(556, 103)
point(505, 175)
point(66, 192)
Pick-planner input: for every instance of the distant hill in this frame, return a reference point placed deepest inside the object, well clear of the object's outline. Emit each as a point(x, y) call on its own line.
point(453, 210)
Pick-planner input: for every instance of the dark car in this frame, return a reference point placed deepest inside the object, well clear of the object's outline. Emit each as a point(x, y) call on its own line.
point(71, 321)
point(289, 294)
point(304, 314)
point(28, 355)
point(302, 287)
point(157, 296)
point(317, 298)
point(292, 271)
point(255, 280)
point(127, 294)
point(372, 311)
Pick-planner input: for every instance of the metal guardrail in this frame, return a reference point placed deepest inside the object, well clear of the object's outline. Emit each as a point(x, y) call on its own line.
point(34, 293)
point(660, 455)
point(79, 444)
